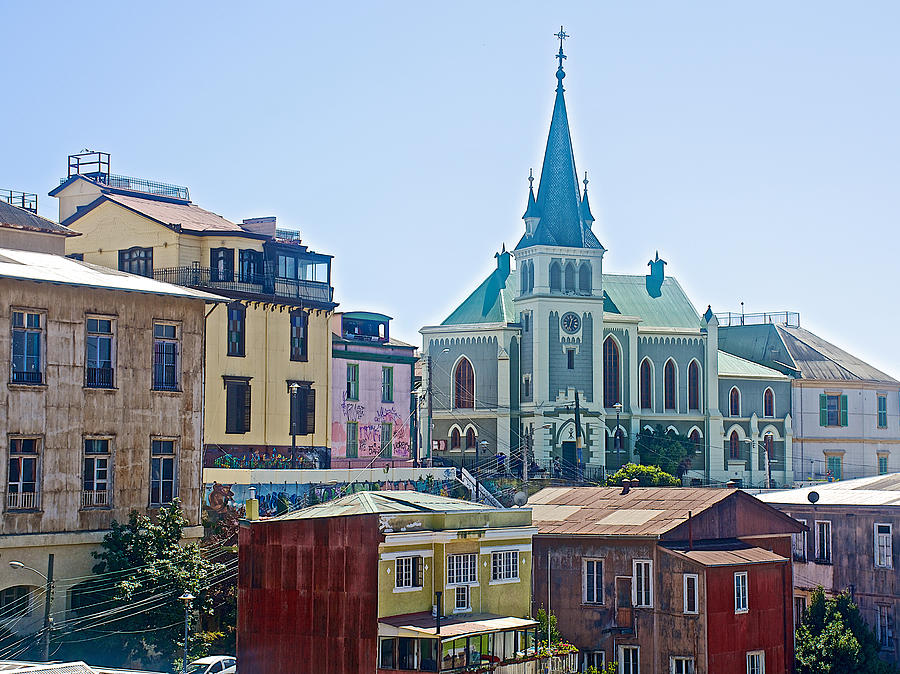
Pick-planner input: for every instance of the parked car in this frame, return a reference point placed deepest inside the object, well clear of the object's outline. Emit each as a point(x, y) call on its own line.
point(213, 664)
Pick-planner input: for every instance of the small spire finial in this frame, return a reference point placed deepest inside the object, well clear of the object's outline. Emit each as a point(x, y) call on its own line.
point(560, 73)
point(530, 178)
point(585, 181)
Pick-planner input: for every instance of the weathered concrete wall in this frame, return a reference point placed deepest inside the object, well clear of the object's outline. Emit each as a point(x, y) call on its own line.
point(38, 242)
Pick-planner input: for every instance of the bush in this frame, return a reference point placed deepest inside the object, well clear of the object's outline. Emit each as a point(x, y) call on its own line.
point(647, 476)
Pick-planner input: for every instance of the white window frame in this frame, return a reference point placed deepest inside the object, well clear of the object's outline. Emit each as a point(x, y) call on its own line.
point(111, 336)
point(741, 599)
point(827, 543)
point(504, 566)
point(462, 569)
point(97, 498)
point(884, 543)
point(686, 659)
point(462, 591)
point(405, 576)
point(596, 659)
point(648, 565)
point(176, 340)
point(761, 662)
point(797, 553)
point(585, 563)
point(621, 654)
point(883, 632)
point(696, 593)
point(176, 473)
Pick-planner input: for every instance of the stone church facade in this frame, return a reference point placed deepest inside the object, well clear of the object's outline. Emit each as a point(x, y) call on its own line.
point(504, 367)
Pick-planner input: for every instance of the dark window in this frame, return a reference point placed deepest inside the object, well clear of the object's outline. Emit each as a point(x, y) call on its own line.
point(251, 266)
point(387, 441)
point(555, 277)
point(237, 315)
point(162, 472)
point(526, 320)
point(646, 385)
point(471, 438)
point(14, 601)
point(570, 278)
point(734, 402)
point(76, 256)
point(27, 346)
point(299, 329)
point(768, 403)
point(734, 446)
point(95, 484)
point(221, 265)
point(693, 386)
point(352, 381)
point(137, 261)
point(570, 359)
point(303, 410)
point(165, 357)
point(237, 406)
point(611, 388)
point(387, 384)
point(99, 357)
point(696, 440)
point(526, 386)
point(352, 450)
point(669, 394)
point(584, 278)
point(22, 484)
point(464, 385)
point(454, 438)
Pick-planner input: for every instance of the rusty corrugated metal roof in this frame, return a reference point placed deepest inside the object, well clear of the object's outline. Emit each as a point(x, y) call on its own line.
point(605, 511)
point(819, 359)
point(383, 502)
point(730, 557)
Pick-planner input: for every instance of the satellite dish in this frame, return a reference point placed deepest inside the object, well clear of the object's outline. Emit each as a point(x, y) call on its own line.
point(520, 499)
point(813, 496)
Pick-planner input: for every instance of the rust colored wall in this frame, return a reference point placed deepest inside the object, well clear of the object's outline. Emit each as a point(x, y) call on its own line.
point(308, 595)
point(767, 626)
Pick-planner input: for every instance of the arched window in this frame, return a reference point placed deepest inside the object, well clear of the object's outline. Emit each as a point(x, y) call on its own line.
point(471, 438)
point(14, 601)
point(646, 385)
point(531, 276)
point(454, 439)
point(669, 385)
point(734, 402)
point(696, 440)
point(464, 385)
point(694, 386)
point(584, 278)
point(555, 277)
point(524, 278)
point(570, 277)
point(611, 388)
point(769, 403)
point(734, 446)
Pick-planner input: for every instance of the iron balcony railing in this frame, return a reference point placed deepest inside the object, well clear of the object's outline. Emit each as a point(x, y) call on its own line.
point(22, 377)
point(21, 500)
point(95, 499)
point(788, 318)
point(135, 184)
point(256, 284)
point(99, 377)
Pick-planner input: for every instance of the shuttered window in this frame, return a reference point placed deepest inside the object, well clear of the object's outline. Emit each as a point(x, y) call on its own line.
point(832, 410)
point(237, 406)
point(303, 409)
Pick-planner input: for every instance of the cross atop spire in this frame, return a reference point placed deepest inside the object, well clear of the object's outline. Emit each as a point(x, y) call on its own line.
point(531, 178)
point(585, 181)
point(560, 73)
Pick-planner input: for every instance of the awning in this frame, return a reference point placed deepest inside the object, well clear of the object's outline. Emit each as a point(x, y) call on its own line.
point(422, 625)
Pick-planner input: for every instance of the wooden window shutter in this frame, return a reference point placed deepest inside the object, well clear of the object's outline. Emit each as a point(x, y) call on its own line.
point(843, 410)
point(823, 409)
point(246, 408)
point(308, 411)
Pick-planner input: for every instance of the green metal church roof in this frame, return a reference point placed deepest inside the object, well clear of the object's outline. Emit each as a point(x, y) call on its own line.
point(733, 366)
point(492, 301)
point(629, 296)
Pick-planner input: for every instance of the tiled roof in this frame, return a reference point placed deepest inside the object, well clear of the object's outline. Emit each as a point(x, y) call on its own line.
point(492, 301)
point(734, 366)
point(31, 266)
point(603, 511)
point(401, 501)
point(18, 218)
point(628, 295)
point(187, 216)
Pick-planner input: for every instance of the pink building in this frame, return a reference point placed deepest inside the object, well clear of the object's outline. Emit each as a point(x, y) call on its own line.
point(372, 409)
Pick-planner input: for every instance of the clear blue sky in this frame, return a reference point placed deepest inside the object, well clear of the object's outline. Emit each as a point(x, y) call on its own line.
point(755, 145)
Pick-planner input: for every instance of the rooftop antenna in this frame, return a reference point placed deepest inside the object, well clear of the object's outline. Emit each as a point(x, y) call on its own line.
point(586, 181)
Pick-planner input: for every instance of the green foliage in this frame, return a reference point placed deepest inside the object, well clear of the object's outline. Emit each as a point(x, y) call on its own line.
point(672, 452)
point(609, 668)
point(132, 613)
point(833, 637)
point(647, 476)
point(555, 636)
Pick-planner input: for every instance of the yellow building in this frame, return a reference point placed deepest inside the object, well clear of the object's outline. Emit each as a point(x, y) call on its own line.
point(267, 351)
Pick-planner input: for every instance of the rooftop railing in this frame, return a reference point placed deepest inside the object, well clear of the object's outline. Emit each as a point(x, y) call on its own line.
point(788, 318)
point(138, 185)
point(26, 200)
point(269, 285)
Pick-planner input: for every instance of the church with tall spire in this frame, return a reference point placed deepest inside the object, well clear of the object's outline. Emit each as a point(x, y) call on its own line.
point(554, 361)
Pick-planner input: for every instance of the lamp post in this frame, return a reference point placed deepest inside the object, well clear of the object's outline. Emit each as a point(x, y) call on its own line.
point(484, 445)
point(295, 387)
point(48, 598)
point(616, 439)
point(187, 598)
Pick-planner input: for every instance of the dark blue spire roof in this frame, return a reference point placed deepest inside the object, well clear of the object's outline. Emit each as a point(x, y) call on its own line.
point(559, 205)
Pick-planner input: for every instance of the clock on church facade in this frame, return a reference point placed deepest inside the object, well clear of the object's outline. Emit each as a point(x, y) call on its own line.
point(570, 322)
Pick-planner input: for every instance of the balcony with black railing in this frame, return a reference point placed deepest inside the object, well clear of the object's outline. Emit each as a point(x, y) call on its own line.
point(267, 285)
point(99, 377)
point(26, 377)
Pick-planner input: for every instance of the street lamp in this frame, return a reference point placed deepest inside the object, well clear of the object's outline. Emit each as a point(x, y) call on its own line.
point(48, 595)
point(187, 598)
point(484, 446)
point(294, 387)
point(616, 439)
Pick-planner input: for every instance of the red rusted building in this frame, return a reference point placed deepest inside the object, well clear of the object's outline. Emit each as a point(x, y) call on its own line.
point(667, 581)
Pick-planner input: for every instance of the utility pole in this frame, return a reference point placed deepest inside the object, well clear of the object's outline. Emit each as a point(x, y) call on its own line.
point(48, 599)
point(428, 367)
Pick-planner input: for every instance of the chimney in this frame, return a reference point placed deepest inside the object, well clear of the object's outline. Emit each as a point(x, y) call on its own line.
point(264, 226)
point(656, 276)
point(626, 485)
point(251, 505)
point(731, 484)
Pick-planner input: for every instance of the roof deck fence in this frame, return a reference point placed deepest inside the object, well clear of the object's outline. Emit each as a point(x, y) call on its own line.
point(24, 200)
point(789, 318)
point(256, 284)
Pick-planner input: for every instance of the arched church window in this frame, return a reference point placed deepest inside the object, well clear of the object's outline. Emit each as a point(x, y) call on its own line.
point(694, 386)
point(471, 438)
point(464, 385)
point(734, 446)
point(570, 277)
point(523, 275)
point(584, 278)
point(454, 438)
point(734, 402)
point(669, 385)
point(555, 277)
point(531, 276)
point(696, 440)
point(646, 385)
point(769, 403)
point(611, 384)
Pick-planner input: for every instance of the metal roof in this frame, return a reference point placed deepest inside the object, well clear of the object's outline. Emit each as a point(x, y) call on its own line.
point(31, 266)
point(629, 296)
point(879, 490)
point(735, 366)
point(749, 555)
point(492, 301)
point(423, 624)
point(365, 502)
point(18, 218)
point(14, 667)
point(818, 359)
point(605, 511)
point(186, 216)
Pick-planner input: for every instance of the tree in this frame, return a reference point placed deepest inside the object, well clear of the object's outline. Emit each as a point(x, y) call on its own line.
point(555, 636)
point(672, 452)
point(647, 476)
point(131, 613)
point(833, 637)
